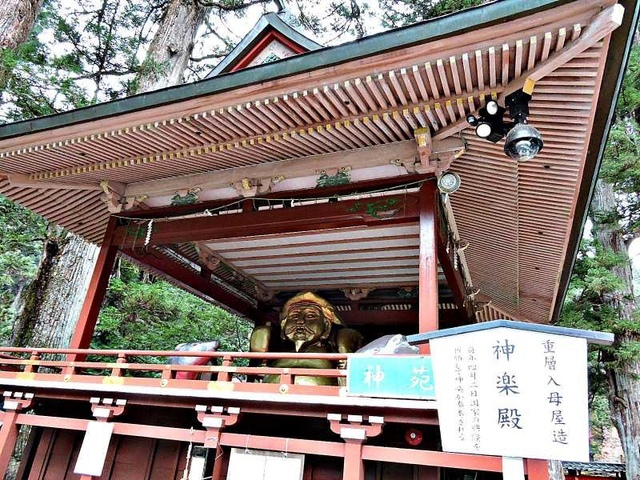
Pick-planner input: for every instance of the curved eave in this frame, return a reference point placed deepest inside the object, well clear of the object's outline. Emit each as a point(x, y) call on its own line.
point(430, 30)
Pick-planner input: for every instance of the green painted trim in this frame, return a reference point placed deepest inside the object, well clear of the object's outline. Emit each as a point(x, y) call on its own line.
point(442, 27)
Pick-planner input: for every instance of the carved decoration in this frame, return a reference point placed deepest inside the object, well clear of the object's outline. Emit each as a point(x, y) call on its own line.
point(356, 293)
point(250, 187)
point(207, 257)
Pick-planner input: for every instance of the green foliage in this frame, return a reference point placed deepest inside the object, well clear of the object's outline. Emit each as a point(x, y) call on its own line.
point(592, 299)
point(629, 98)
point(21, 235)
point(398, 13)
point(77, 54)
point(621, 169)
point(154, 315)
point(598, 289)
point(599, 420)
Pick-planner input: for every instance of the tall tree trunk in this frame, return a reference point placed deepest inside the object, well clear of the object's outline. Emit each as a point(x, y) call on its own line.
point(171, 47)
point(622, 371)
point(556, 471)
point(624, 401)
point(16, 21)
point(50, 305)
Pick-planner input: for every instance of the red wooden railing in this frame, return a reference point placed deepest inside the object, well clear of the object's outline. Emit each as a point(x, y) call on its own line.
point(133, 367)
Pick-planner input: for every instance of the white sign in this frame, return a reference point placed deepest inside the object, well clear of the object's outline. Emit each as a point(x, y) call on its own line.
point(512, 393)
point(93, 451)
point(250, 464)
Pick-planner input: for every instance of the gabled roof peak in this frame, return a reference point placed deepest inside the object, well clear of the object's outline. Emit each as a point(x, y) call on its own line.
point(270, 39)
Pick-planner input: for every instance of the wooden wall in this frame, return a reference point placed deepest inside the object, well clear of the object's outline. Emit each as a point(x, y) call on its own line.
point(128, 458)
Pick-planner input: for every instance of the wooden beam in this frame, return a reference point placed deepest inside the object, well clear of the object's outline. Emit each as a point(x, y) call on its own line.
point(387, 210)
point(192, 282)
point(428, 262)
point(96, 292)
point(18, 180)
point(425, 145)
point(436, 155)
point(454, 280)
point(306, 193)
point(397, 153)
point(280, 444)
point(432, 458)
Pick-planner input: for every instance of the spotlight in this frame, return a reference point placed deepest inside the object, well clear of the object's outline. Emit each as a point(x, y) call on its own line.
point(449, 182)
point(483, 130)
point(489, 124)
point(492, 107)
point(523, 142)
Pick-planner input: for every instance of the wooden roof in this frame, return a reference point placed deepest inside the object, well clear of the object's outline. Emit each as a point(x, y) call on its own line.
point(353, 109)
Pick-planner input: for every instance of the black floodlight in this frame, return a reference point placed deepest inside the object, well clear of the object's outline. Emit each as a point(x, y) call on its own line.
point(523, 141)
point(489, 123)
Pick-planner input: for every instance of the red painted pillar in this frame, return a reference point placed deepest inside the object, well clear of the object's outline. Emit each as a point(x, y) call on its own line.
point(214, 419)
point(354, 430)
point(8, 436)
point(97, 290)
point(537, 469)
point(428, 262)
point(13, 404)
point(353, 464)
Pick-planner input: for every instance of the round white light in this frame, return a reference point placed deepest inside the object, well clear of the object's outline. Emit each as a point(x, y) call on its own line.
point(449, 182)
point(483, 130)
point(492, 107)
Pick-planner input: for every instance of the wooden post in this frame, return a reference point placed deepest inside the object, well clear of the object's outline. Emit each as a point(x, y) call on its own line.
point(354, 430)
point(428, 263)
point(537, 469)
point(428, 473)
point(97, 290)
point(214, 419)
point(13, 404)
point(353, 463)
point(8, 437)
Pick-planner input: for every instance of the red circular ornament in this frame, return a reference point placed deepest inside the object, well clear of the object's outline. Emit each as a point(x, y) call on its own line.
point(413, 437)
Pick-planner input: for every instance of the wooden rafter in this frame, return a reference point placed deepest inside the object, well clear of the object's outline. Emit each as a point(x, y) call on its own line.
point(601, 26)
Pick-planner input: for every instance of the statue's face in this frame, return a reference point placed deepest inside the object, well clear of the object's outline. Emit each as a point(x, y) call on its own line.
point(305, 324)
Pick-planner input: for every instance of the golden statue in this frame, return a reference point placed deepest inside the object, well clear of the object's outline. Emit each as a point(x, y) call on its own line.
point(308, 324)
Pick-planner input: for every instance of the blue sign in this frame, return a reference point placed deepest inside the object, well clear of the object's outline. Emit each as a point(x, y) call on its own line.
point(390, 376)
